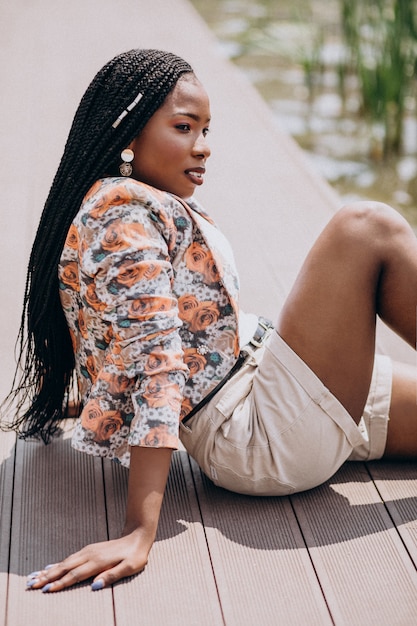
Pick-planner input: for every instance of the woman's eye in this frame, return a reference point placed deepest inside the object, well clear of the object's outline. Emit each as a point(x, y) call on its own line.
point(183, 127)
point(206, 132)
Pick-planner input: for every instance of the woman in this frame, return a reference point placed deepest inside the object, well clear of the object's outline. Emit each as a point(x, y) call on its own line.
point(132, 285)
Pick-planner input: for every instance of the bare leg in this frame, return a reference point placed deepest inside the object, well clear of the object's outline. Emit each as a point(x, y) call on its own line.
point(402, 427)
point(364, 263)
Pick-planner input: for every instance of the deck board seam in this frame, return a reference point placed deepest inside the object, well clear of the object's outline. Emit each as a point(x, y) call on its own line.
point(205, 537)
point(312, 561)
point(394, 522)
point(106, 515)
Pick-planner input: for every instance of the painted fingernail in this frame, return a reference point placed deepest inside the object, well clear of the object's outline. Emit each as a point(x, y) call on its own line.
point(46, 588)
point(97, 585)
point(33, 575)
point(32, 582)
point(49, 566)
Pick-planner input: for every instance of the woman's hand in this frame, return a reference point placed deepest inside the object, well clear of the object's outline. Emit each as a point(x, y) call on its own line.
point(107, 562)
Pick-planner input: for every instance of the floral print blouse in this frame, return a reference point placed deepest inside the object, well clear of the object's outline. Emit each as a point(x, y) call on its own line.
point(149, 291)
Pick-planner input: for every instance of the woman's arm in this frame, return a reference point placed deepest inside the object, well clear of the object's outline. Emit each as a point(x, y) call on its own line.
point(109, 561)
point(125, 322)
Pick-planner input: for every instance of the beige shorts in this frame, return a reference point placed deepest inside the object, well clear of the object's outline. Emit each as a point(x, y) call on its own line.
point(275, 429)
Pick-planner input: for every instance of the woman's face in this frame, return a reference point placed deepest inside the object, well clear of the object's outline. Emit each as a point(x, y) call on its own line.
point(171, 151)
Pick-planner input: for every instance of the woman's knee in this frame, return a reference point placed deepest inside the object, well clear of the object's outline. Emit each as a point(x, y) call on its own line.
point(370, 224)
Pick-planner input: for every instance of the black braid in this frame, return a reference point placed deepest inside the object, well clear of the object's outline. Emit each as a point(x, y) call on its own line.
point(40, 392)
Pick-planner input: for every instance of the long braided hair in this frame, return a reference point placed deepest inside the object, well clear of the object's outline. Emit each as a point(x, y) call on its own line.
point(45, 373)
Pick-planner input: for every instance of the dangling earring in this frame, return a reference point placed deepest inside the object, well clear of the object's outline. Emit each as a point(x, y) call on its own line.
point(127, 156)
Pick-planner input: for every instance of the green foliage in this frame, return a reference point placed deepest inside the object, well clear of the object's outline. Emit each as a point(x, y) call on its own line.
point(381, 36)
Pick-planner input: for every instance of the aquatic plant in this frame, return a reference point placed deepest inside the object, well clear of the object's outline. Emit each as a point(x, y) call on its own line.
point(382, 41)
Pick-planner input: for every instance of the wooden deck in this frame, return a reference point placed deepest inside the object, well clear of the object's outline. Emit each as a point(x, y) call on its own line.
point(343, 554)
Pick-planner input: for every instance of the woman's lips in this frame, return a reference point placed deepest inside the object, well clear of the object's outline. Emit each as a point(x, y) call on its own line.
point(196, 176)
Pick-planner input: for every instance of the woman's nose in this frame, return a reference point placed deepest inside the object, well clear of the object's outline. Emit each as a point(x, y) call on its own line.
point(201, 147)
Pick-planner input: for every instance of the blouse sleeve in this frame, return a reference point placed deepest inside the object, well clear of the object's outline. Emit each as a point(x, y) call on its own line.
point(125, 262)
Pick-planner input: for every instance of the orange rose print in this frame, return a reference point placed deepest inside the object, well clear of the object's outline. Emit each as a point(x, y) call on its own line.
point(199, 259)
point(108, 335)
point(72, 238)
point(195, 257)
point(116, 197)
point(116, 360)
point(159, 436)
point(159, 361)
point(84, 247)
point(198, 315)
point(150, 270)
point(130, 272)
point(92, 299)
point(194, 361)
point(147, 307)
point(82, 325)
point(186, 407)
point(69, 275)
point(102, 423)
point(211, 273)
point(116, 385)
point(160, 333)
point(120, 236)
point(91, 367)
point(206, 314)
point(66, 299)
point(160, 392)
point(91, 414)
point(187, 305)
point(169, 227)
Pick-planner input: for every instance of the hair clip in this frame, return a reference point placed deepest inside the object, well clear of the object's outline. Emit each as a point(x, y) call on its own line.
point(127, 110)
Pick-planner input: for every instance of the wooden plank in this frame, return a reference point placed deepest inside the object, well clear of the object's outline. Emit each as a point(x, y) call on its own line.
point(7, 456)
point(58, 507)
point(364, 569)
point(262, 568)
point(397, 485)
point(177, 587)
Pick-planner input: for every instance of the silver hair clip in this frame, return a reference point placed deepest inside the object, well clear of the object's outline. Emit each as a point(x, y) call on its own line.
point(127, 110)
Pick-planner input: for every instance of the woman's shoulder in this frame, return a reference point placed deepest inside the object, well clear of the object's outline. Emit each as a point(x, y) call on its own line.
point(110, 192)
point(198, 208)
point(114, 203)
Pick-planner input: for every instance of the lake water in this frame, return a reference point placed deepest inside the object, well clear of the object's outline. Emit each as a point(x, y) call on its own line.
point(290, 51)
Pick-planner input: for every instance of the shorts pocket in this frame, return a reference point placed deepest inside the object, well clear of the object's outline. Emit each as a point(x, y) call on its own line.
point(236, 390)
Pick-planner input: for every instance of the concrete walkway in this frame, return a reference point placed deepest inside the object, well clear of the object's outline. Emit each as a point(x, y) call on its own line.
point(236, 563)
